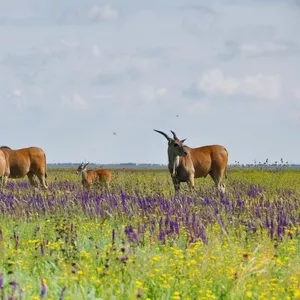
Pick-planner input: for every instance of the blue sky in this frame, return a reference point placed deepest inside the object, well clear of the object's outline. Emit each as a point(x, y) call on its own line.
point(73, 73)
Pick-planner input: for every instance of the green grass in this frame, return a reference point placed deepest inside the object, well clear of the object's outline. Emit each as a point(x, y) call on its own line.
point(63, 242)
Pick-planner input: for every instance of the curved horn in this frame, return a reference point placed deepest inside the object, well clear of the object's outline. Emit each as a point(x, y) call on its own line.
point(164, 134)
point(174, 135)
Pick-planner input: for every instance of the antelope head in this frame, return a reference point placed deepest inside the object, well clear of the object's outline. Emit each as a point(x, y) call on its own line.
point(175, 145)
point(82, 167)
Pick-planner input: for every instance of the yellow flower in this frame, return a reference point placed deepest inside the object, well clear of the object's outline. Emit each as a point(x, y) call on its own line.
point(156, 258)
point(192, 262)
point(249, 294)
point(85, 254)
point(32, 241)
point(139, 284)
point(297, 294)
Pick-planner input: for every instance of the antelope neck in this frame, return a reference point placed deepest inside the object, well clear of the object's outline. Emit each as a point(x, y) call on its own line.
point(83, 174)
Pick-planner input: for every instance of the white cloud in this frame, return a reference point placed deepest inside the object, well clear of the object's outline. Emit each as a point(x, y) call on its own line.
point(259, 85)
point(214, 81)
point(133, 62)
point(262, 48)
point(200, 107)
point(78, 15)
point(36, 92)
point(96, 51)
point(197, 19)
point(17, 93)
point(161, 91)
point(124, 68)
point(70, 43)
point(50, 51)
point(105, 12)
point(74, 101)
point(30, 96)
point(151, 93)
point(16, 99)
point(296, 93)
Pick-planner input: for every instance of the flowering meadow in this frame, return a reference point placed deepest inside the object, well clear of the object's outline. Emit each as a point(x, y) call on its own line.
point(139, 240)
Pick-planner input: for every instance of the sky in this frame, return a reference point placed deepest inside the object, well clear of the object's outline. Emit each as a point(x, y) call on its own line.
point(90, 80)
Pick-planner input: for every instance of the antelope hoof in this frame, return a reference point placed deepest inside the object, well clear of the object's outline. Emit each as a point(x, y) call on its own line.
point(222, 189)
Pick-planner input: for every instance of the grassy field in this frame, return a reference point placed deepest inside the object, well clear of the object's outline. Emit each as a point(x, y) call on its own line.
point(139, 241)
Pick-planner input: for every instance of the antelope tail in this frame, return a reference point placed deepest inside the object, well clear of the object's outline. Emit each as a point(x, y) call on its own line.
point(45, 159)
point(226, 169)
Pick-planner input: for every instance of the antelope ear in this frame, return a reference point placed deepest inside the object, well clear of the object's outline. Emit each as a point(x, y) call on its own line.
point(182, 141)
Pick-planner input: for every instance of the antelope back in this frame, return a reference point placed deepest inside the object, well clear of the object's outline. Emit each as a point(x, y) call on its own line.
point(23, 160)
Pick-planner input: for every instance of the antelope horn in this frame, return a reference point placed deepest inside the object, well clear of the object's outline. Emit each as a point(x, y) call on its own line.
point(174, 135)
point(164, 134)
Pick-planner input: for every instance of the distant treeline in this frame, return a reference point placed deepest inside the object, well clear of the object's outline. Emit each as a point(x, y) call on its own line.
point(109, 166)
point(162, 166)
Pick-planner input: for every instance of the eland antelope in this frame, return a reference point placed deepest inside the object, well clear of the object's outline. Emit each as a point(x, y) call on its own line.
point(90, 177)
point(26, 161)
point(187, 163)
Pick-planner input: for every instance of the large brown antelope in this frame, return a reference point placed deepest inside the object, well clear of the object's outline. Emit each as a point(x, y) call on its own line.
point(187, 163)
point(90, 177)
point(26, 161)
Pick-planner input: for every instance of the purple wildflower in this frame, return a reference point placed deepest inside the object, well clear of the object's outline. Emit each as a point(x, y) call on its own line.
point(131, 234)
point(43, 288)
point(1, 280)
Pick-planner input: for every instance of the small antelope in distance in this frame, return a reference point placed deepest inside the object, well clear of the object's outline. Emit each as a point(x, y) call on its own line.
point(187, 163)
point(90, 177)
point(26, 161)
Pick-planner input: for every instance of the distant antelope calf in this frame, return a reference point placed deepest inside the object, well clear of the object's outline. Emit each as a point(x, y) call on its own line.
point(26, 161)
point(90, 177)
point(187, 163)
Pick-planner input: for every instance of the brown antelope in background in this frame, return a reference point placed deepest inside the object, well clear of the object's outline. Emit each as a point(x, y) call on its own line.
point(90, 177)
point(26, 161)
point(187, 163)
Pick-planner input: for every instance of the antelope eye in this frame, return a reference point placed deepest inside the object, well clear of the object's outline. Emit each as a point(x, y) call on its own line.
point(176, 145)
